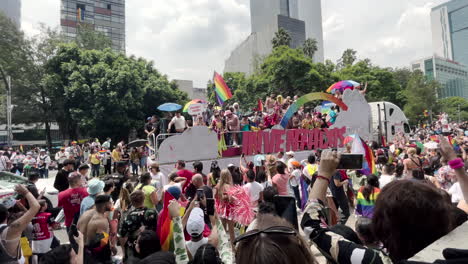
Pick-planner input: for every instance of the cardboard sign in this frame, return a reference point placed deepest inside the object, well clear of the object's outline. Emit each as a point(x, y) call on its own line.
point(296, 140)
point(196, 109)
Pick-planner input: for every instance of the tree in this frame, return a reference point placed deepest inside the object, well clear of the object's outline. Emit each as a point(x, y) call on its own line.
point(347, 59)
point(104, 93)
point(88, 38)
point(310, 47)
point(282, 38)
point(455, 107)
point(420, 95)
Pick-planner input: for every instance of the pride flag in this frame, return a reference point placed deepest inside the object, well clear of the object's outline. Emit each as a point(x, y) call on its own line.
point(165, 227)
point(223, 92)
point(360, 147)
point(365, 207)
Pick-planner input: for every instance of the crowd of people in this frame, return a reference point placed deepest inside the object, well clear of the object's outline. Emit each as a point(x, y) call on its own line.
point(229, 122)
point(136, 214)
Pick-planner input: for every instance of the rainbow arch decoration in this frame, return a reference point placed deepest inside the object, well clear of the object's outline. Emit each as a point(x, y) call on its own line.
point(308, 98)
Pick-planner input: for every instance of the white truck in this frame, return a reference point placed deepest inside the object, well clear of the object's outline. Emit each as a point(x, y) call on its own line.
point(387, 120)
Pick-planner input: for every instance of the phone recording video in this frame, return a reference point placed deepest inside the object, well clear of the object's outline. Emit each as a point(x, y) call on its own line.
point(200, 194)
point(350, 162)
point(286, 208)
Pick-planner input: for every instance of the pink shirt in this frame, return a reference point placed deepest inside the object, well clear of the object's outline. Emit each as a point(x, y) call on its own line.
point(281, 182)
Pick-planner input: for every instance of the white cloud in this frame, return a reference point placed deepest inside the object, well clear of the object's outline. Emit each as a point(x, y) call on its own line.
point(188, 39)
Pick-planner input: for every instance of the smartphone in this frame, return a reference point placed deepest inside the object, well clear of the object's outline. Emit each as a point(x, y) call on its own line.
point(200, 194)
point(351, 162)
point(210, 206)
point(286, 208)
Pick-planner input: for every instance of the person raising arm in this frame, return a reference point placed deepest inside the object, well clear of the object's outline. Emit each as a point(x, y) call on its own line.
point(10, 235)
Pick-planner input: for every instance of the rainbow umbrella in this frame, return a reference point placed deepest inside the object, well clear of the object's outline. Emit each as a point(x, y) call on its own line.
point(342, 86)
point(194, 101)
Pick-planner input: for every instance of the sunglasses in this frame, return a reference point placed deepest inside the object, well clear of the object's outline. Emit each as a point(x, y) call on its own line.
point(271, 230)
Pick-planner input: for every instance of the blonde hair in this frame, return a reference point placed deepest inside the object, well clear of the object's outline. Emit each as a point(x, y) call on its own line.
point(279, 98)
point(411, 151)
point(225, 177)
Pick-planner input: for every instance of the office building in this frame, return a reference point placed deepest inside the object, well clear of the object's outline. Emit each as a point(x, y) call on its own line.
point(12, 9)
point(449, 23)
point(192, 92)
point(452, 76)
point(105, 16)
point(302, 19)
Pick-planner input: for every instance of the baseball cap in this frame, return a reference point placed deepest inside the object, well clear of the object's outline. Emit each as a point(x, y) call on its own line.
point(196, 222)
point(290, 153)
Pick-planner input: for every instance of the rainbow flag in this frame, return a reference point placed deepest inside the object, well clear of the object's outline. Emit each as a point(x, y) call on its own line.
point(366, 207)
point(223, 92)
point(360, 147)
point(165, 226)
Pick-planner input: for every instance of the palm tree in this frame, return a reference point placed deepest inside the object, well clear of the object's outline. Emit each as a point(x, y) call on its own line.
point(282, 38)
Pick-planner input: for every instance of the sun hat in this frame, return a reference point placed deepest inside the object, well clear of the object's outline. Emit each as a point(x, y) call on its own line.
point(95, 186)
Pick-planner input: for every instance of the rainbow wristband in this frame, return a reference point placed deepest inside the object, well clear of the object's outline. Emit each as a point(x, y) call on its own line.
point(456, 164)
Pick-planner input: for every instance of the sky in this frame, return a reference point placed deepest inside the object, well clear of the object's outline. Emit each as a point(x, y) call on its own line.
point(189, 39)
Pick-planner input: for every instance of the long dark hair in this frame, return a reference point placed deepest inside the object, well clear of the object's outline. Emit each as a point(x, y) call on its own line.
point(372, 182)
point(215, 170)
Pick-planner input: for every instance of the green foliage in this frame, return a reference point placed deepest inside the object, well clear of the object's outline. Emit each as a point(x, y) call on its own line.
point(88, 38)
point(282, 38)
point(421, 95)
point(455, 107)
point(347, 59)
point(103, 93)
point(310, 47)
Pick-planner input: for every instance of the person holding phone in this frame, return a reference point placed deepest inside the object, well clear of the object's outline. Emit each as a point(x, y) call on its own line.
point(418, 208)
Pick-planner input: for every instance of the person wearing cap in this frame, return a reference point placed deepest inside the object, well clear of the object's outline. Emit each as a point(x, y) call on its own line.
point(195, 224)
point(83, 170)
point(295, 180)
point(179, 122)
point(29, 163)
point(70, 199)
point(60, 157)
point(61, 179)
point(10, 233)
point(95, 187)
point(289, 159)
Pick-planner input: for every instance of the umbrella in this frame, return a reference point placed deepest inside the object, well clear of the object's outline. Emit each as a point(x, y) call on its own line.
point(169, 107)
point(342, 86)
point(137, 143)
point(194, 101)
point(431, 145)
point(348, 139)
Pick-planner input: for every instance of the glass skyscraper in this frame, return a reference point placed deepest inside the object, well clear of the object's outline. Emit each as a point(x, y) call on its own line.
point(106, 16)
point(450, 30)
point(452, 76)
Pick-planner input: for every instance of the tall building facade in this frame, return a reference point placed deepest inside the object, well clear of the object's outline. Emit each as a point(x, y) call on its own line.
point(302, 19)
point(12, 9)
point(449, 23)
point(452, 75)
point(106, 16)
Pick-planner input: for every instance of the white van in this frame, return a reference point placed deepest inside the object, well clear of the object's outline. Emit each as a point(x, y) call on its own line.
point(388, 120)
